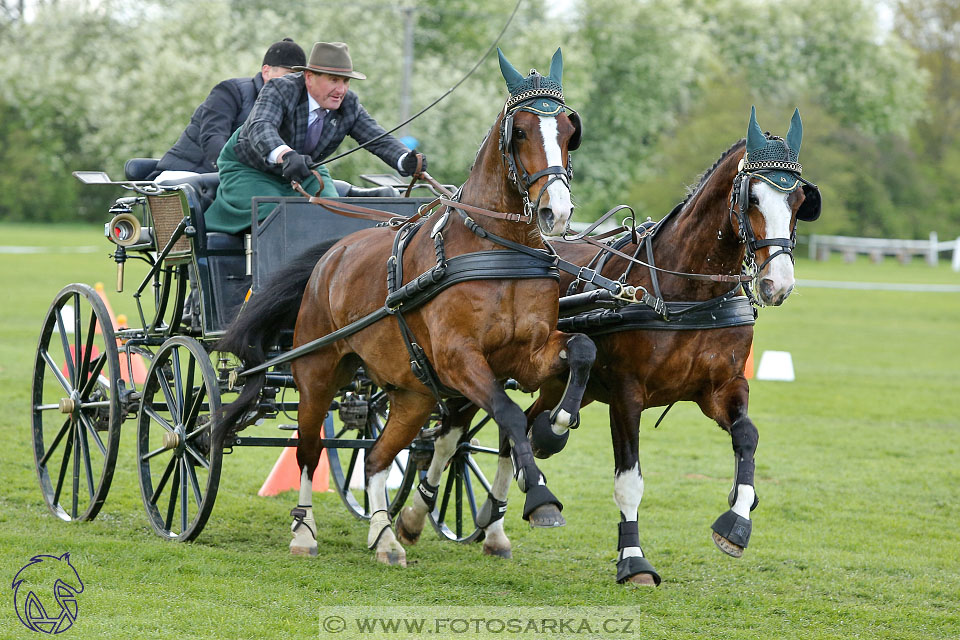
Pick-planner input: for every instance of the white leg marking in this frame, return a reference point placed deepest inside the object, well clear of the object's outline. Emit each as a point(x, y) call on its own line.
point(443, 449)
point(627, 493)
point(562, 422)
point(745, 497)
point(501, 481)
point(376, 491)
point(495, 539)
point(304, 536)
point(306, 490)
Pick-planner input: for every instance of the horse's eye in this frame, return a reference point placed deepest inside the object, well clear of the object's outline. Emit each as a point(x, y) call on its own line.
point(754, 200)
point(518, 134)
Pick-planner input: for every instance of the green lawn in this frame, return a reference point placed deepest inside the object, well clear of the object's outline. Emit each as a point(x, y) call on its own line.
point(856, 535)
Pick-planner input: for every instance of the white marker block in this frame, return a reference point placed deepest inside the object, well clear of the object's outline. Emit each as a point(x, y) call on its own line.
point(776, 365)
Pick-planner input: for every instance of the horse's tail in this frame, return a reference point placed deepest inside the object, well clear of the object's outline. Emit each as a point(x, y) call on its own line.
point(273, 310)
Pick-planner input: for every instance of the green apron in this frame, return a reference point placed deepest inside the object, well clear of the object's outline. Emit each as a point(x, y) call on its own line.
point(232, 211)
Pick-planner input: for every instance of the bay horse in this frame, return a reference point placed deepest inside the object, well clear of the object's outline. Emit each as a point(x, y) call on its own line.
point(491, 324)
point(743, 212)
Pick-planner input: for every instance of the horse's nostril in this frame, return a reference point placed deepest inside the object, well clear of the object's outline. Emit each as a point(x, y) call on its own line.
point(766, 288)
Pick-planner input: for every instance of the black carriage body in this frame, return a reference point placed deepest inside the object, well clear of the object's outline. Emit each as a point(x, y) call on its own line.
point(295, 225)
point(225, 266)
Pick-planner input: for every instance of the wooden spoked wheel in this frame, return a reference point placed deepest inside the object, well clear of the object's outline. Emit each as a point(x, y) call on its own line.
point(75, 404)
point(179, 468)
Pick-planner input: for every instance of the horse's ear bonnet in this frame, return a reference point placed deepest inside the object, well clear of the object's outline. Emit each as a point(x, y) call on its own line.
point(776, 162)
point(542, 95)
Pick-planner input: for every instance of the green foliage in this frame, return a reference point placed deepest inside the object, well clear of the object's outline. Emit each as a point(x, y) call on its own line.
point(91, 84)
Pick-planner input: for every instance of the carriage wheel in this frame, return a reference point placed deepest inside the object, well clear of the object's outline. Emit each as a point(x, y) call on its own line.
point(76, 404)
point(464, 487)
point(346, 465)
point(179, 467)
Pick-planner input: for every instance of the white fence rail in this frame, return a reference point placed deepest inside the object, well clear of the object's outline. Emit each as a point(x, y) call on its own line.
point(877, 248)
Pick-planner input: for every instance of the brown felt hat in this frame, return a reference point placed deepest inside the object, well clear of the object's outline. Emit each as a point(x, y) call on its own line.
point(332, 58)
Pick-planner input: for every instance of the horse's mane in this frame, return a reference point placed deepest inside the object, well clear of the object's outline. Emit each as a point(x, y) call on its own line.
point(705, 176)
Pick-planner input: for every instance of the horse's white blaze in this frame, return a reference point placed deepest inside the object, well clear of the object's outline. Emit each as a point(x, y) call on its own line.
point(776, 215)
point(627, 493)
point(558, 193)
point(745, 498)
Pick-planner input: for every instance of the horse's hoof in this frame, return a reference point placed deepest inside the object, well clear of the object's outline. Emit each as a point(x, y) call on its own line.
point(405, 535)
point(505, 553)
point(392, 558)
point(726, 546)
point(546, 515)
point(296, 550)
point(642, 580)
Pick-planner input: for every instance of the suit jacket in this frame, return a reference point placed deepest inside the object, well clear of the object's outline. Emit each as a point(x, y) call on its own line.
point(212, 124)
point(280, 114)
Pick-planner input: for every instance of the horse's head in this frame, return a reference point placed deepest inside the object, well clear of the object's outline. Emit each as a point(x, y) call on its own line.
point(536, 136)
point(768, 197)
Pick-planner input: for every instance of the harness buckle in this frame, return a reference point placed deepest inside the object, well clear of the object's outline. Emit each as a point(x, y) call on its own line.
point(657, 304)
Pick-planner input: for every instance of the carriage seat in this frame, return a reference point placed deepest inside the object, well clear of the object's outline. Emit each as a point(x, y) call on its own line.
point(202, 189)
point(139, 168)
point(347, 190)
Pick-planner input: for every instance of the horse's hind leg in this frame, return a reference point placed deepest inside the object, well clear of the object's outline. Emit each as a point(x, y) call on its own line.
point(315, 399)
point(411, 520)
point(490, 516)
point(731, 531)
point(632, 566)
point(408, 412)
point(549, 430)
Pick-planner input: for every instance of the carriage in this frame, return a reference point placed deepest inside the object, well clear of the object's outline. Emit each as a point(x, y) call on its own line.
point(161, 375)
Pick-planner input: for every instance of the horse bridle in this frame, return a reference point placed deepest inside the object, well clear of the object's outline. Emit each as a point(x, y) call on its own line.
point(740, 204)
point(516, 172)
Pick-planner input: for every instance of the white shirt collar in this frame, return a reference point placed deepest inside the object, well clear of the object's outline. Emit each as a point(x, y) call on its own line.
point(313, 105)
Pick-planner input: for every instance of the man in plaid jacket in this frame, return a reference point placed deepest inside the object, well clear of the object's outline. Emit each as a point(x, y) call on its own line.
point(297, 120)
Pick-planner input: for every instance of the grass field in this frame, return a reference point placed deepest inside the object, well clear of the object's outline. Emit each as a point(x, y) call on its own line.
point(857, 534)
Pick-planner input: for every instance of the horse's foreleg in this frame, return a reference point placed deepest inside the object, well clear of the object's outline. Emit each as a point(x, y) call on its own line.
point(408, 412)
point(731, 531)
point(476, 381)
point(550, 430)
point(632, 566)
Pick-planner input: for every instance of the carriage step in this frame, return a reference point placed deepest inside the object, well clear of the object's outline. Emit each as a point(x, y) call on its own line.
point(287, 427)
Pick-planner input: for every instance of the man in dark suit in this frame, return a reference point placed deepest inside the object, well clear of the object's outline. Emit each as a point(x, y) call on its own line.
point(224, 110)
point(298, 120)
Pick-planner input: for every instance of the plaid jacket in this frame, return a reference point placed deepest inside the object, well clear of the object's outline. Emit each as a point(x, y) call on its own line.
point(279, 116)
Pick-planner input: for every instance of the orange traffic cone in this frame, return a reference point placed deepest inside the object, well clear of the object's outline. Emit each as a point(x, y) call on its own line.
point(285, 474)
point(120, 322)
point(748, 366)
